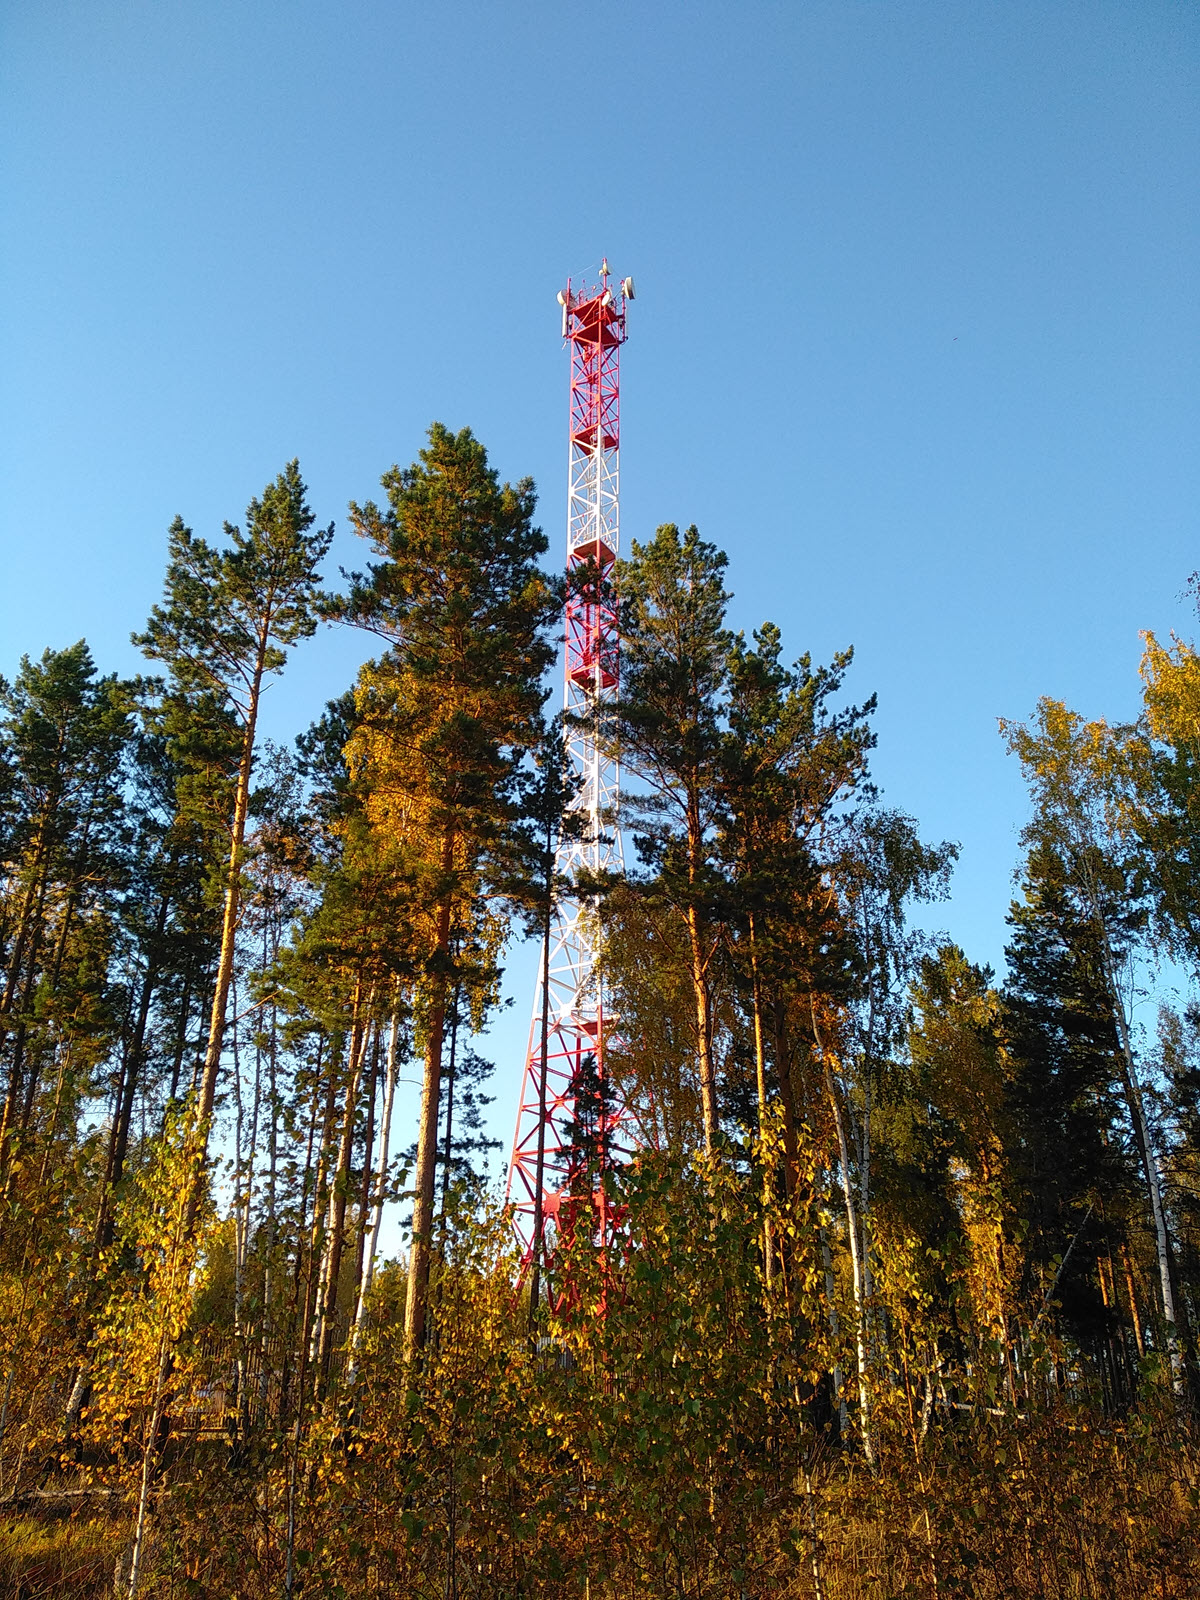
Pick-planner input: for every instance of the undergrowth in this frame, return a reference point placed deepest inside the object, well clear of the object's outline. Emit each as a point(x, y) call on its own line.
point(1057, 1509)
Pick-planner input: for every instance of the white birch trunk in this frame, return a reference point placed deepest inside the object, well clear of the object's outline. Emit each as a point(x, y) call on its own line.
point(834, 1329)
point(856, 1262)
point(1137, 1111)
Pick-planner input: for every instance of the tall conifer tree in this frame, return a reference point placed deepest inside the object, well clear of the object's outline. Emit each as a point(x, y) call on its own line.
point(225, 626)
point(66, 733)
point(668, 726)
point(444, 720)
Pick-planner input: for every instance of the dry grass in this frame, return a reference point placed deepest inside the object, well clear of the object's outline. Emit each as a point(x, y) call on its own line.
point(1080, 1513)
point(50, 1557)
point(1066, 1508)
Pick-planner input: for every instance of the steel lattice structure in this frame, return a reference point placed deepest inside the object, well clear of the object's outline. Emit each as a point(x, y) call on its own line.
point(594, 329)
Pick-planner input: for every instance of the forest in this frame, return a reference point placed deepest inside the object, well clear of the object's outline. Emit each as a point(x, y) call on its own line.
point(906, 1285)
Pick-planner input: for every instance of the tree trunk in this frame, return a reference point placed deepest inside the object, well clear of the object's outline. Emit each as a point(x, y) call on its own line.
point(539, 1209)
point(364, 1199)
point(1133, 1307)
point(229, 930)
point(31, 930)
point(1137, 1114)
point(185, 1002)
point(708, 1085)
point(118, 1145)
point(787, 1095)
point(864, 1207)
point(338, 1199)
point(760, 1071)
point(835, 1332)
point(422, 1234)
point(264, 1375)
point(308, 1329)
point(708, 1090)
point(35, 890)
point(243, 1197)
point(51, 978)
point(301, 1306)
point(856, 1263)
point(368, 1272)
point(448, 1145)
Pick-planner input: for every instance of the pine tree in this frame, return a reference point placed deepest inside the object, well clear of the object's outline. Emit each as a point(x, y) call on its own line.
point(790, 764)
point(227, 621)
point(1068, 1155)
point(66, 735)
point(444, 719)
point(668, 728)
point(168, 926)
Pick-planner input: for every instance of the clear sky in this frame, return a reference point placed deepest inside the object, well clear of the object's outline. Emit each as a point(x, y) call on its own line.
point(915, 338)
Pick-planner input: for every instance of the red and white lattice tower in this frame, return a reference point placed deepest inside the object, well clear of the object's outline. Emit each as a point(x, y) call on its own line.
point(594, 328)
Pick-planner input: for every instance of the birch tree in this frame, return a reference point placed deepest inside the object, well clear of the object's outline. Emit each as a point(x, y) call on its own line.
point(1078, 778)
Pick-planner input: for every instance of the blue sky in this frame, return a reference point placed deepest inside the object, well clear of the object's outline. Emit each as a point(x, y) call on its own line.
point(915, 338)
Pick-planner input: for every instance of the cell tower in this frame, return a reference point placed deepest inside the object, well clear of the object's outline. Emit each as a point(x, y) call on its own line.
point(593, 325)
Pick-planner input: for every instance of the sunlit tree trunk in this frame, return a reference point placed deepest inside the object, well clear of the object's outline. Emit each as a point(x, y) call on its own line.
point(427, 1144)
point(229, 930)
point(338, 1199)
point(856, 1255)
point(308, 1329)
point(1137, 1113)
point(760, 1078)
point(24, 957)
point(380, 1190)
point(708, 1092)
point(131, 1064)
point(539, 1218)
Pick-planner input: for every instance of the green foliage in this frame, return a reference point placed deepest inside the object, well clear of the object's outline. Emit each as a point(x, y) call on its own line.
point(229, 615)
